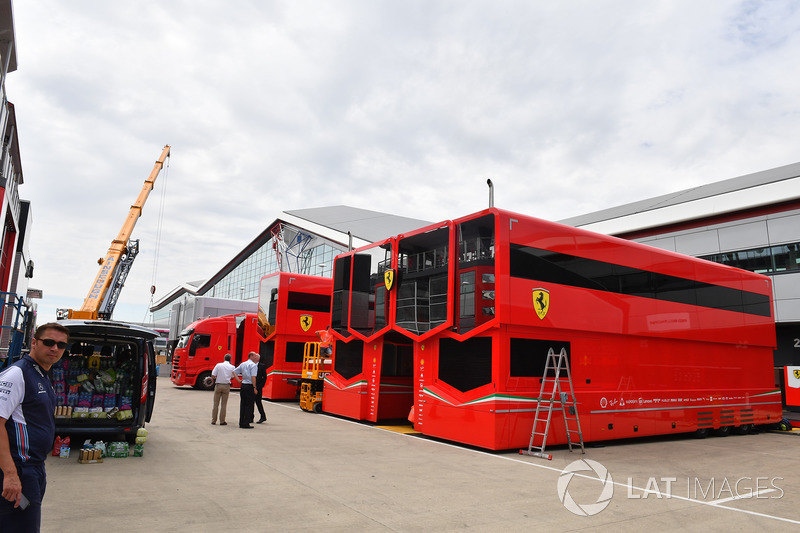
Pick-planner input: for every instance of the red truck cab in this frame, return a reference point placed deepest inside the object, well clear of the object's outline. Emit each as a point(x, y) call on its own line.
point(205, 342)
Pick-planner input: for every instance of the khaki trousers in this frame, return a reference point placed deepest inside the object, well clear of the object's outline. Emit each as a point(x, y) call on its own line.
point(221, 393)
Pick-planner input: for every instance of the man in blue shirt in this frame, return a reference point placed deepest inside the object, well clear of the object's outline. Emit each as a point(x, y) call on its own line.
point(27, 429)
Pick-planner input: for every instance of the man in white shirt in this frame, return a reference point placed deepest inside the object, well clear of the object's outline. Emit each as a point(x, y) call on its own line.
point(222, 374)
point(247, 372)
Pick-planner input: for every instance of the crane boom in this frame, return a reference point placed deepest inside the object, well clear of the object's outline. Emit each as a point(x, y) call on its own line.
point(119, 253)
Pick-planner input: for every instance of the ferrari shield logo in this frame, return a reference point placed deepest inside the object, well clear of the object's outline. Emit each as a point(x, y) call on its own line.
point(797, 374)
point(541, 302)
point(305, 322)
point(388, 279)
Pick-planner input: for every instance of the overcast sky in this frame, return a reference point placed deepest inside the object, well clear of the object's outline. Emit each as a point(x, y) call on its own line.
point(401, 107)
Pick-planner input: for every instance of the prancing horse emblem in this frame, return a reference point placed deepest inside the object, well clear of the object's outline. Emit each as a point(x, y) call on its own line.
point(305, 322)
point(797, 374)
point(541, 302)
point(388, 279)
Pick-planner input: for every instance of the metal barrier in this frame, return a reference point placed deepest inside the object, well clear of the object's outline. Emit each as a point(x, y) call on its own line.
point(15, 323)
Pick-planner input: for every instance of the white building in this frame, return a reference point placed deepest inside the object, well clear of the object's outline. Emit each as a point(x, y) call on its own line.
point(16, 266)
point(750, 222)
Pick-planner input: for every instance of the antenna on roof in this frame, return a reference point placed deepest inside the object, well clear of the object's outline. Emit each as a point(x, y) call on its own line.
point(491, 192)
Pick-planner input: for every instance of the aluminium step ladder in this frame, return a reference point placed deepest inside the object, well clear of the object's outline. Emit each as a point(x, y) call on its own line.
point(555, 394)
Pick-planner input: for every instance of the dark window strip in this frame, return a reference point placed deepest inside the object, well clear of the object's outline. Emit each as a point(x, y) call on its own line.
point(564, 269)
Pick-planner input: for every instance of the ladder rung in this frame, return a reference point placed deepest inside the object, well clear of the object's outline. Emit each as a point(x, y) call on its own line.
point(552, 397)
point(537, 454)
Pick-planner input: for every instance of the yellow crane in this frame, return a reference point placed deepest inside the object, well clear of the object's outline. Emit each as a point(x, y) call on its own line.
point(114, 267)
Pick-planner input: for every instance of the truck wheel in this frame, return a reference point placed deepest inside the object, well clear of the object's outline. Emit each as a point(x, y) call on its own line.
point(317, 407)
point(204, 381)
point(744, 429)
point(723, 431)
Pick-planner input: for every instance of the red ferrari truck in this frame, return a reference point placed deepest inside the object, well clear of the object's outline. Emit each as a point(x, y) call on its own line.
point(657, 342)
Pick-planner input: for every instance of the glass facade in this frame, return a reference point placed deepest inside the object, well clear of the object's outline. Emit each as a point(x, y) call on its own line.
point(242, 282)
point(768, 260)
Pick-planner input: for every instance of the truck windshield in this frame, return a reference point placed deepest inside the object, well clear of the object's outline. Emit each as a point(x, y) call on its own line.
point(183, 340)
point(268, 296)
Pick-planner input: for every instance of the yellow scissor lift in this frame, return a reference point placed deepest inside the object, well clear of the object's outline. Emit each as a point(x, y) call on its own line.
point(315, 367)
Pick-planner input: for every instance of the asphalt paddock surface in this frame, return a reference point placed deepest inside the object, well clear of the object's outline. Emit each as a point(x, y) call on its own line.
point(305, 472)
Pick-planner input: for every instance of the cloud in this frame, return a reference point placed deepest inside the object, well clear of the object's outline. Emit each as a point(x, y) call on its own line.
point(404, 107)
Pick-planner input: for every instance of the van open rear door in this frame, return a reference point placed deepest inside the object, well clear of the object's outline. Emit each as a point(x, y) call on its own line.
point(152, 379)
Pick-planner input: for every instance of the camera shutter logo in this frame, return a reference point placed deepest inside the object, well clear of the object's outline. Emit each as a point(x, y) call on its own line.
point(601, 472)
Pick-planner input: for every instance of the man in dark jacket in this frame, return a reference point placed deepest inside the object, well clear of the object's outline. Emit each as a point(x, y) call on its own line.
point(27, 429)
point(261, 380)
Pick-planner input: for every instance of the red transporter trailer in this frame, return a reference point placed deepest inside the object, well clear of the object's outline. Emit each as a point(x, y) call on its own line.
point(371, 378)
point(658, 342)
point(296, 306)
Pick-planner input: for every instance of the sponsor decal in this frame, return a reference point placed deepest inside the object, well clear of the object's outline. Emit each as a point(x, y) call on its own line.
point(102, 278)
point(792, 376)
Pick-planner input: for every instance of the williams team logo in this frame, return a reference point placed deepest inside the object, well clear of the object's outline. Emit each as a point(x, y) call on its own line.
point(305, 322)
point(541, 302)
point(388, 279)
